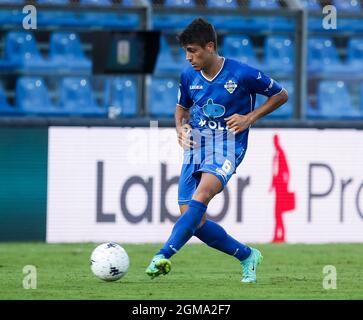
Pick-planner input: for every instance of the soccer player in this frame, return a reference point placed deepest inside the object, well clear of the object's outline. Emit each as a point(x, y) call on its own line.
point(214, 112)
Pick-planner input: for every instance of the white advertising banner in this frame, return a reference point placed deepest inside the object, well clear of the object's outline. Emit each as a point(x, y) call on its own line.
point(120, 184)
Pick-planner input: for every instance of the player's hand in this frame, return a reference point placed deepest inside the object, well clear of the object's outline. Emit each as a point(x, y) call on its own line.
point(236, 123)
point(184, 136)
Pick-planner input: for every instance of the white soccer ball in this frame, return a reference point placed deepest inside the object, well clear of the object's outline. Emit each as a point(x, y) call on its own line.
point(109, 261)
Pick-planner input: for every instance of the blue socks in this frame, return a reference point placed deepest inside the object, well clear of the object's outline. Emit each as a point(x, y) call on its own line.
point(216, 237)
point(184, 228)
point(210, 233)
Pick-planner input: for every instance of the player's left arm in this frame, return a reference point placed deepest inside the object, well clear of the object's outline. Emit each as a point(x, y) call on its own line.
point(258, 83)
point(237, 122)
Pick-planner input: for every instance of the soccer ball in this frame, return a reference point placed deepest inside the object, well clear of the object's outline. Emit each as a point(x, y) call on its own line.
point(109, 261)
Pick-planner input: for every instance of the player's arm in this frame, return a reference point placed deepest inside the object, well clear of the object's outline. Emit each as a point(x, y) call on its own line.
point(182, 114)
point(183, 128)
point(237, 122)
point(258, 83)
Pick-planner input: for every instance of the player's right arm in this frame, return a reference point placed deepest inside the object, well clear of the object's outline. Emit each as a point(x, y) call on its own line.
point(182, 114)
point(183, 128)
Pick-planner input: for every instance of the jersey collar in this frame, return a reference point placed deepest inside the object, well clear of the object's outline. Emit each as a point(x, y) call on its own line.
point(210, 80)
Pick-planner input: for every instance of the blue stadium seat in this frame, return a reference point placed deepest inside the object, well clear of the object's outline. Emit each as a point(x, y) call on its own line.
point(347, 5)
point(231, 23)
point(65, 51)
point(96, 2)
point(128, 3)
point(162, 97)
point(240, 47)
point(323, 56)
point(264, 4)
point(52, 19)
point(166, 61)
point(165, 21)
point(355, 54)
point(279, 54)
point(221, 4)
point(121, 97)
point(312, 111)
point(32, 97)
point(76, 98)
point(57, 2)
point(22, 51)
point(112, 20)
point(313, 5)
point(179, 3)
point(334, 101)
point(12, 1)
point(5, 107)
point(287, 110)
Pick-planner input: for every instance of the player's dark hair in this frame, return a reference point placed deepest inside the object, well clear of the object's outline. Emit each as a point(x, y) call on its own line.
point(199, 32)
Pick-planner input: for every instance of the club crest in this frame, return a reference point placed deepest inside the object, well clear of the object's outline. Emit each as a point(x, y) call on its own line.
point(230, 86)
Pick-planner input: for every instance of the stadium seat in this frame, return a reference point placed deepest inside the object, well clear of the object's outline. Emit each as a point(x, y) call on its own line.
point(334, 101)
point(121, 97)
point(111, 20)
point(166, 61)
point(221, 4)
point(323, 56)
point(347, 5)
point(22, 51)
point(279, 53)
point(65, 51)
point(355, 54)
point(96, 2)
point(287, 109)
point(76, 97)
point(162, 97)
point(5, 107)
point(229, 23)
point(129, 3)
point(175, 21)
point(313, 5)
point(56, 2)
point(32, 97)
point(179, 3)
point(12, 1)
point(264, 4)
point(240, 47)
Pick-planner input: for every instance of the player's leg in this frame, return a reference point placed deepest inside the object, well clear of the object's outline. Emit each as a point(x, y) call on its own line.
point(186, 225)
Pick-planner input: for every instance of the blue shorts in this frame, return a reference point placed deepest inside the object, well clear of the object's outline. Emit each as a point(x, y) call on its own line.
point(221, 164)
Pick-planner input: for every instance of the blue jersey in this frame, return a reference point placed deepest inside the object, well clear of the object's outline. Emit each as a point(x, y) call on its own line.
point(232, 90)
point(218, 151)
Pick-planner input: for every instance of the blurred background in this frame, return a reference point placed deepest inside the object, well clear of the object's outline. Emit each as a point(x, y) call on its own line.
point(47, 80)
point(47, 72)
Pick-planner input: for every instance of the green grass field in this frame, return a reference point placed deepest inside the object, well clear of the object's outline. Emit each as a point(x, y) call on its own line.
point(198, 272)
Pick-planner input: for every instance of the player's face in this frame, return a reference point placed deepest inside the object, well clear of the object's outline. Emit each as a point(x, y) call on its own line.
point(199, 57)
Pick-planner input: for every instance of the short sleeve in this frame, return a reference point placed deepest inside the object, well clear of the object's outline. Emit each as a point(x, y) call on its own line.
point(257, 82)
point(184, 99)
